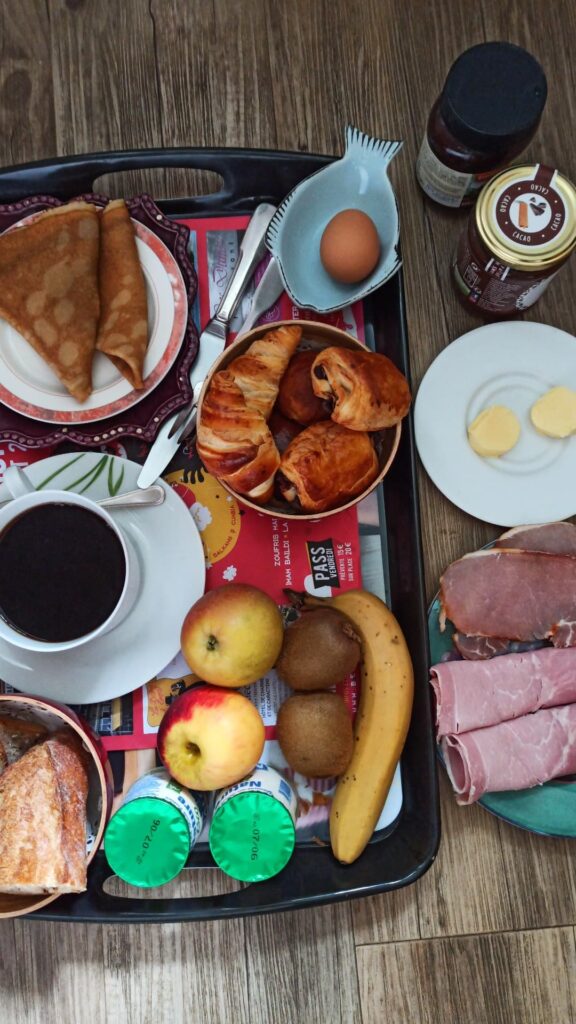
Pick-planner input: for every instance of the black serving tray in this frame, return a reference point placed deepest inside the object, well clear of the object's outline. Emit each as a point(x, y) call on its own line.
point(402, 853)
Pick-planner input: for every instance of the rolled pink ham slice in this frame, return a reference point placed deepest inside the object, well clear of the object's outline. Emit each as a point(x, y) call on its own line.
point(475, 694)
point(513, 755)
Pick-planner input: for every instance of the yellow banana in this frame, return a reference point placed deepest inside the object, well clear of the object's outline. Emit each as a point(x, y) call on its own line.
point(382, 720)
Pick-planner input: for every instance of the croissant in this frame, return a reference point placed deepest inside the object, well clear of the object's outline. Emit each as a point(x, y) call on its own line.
point(234, 441)
point(296, 399)
point(368, 391)
point(326, 465)
point(259, 370)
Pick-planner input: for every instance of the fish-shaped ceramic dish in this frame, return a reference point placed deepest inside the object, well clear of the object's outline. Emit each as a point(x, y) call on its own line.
point(359, 180)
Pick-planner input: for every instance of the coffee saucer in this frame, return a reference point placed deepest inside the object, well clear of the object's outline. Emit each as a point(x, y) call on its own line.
point(172, 568)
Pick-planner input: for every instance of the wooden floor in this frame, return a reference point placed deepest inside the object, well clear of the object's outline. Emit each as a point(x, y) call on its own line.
point(488, 935)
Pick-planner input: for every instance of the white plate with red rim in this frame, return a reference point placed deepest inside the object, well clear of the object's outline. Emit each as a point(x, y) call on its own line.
point(173, 572)
point(510, 364)
point(29, 386)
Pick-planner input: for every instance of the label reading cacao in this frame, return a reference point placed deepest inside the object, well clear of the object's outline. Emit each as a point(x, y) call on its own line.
point(531, 212)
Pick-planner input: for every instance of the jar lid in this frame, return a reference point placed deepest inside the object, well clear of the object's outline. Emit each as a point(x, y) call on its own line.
point(147, 842)
point(526, 217)
point(493, 96)
point(252, 837)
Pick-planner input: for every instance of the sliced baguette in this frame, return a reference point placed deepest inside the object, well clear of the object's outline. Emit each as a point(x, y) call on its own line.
point(43, 818)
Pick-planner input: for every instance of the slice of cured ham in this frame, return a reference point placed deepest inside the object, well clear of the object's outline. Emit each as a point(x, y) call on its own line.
point(476, 648)
point(512, 593)
point(475, 694)
point(556, 538)
point(513, 755)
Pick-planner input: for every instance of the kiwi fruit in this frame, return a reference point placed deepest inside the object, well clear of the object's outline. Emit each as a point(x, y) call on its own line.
point(319, 650)
point(315, 734)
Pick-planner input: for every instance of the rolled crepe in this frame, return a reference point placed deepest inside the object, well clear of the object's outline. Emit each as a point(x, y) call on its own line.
point(513, 755)
point(475, 694)
point(123, 328)
point(49, 290)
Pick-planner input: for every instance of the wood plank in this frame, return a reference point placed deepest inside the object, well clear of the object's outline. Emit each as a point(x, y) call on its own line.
point(387, 918)
point(49, 971)
point(465, 890)
point(105, 85)
point(26, 104)
point(212, 92)
point(300, 967)
point(540, 878)
point(513, 978)
point(173, 972)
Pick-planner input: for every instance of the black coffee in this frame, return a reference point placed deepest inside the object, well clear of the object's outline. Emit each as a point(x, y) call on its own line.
point(62, 571)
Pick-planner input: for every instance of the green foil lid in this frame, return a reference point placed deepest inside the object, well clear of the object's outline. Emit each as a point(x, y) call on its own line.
point(252, 837)
point(147, 842)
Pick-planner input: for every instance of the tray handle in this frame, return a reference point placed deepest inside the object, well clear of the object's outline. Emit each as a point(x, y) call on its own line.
point(249, 176)
point(312, 877)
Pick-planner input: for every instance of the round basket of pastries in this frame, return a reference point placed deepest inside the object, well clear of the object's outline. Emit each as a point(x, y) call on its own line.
point(298, 419)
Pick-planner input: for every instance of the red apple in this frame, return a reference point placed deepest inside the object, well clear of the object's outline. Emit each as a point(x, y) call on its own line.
point(233, 635)
point(210, 737)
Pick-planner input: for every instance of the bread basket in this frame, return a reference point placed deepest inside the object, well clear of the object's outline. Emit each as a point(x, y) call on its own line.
point(100, 788)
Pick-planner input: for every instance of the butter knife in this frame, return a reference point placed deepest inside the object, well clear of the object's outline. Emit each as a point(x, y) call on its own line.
point(212, 340)
point(268, 291)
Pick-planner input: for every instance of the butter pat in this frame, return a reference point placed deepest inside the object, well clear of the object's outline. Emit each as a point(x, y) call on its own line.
point(494, 432)
point(555, 413)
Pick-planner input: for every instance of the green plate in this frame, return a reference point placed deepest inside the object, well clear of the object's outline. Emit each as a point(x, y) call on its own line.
point(548, 810)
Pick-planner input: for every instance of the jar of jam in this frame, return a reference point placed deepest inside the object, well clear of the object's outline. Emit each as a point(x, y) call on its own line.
point(485, 116)
point(519, 234)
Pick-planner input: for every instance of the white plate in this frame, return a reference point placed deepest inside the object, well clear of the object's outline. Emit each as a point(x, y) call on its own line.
point(173, 574)
point(28, 385)
point(509, 364)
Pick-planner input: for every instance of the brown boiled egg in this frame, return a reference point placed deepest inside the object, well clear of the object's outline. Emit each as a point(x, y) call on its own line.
point(349, 247)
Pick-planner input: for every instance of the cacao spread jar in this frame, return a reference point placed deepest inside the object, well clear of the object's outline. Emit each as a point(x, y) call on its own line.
point(486, 114)
point(519, 234)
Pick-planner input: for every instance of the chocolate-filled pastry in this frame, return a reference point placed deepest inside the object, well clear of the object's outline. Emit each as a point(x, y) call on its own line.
point(325, 466)
point(282, 429)
point(259, 370)
point(296, 398)
point(368, 391)
point(234, 441)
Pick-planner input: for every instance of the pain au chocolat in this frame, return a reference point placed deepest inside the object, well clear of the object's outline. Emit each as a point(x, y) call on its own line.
point(43, 818)
point(325, 466)
point(49, 290)
point(367, 391)
point(296, 398)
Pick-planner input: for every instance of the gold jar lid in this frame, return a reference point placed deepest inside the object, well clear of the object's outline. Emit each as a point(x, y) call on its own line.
point(526, 217)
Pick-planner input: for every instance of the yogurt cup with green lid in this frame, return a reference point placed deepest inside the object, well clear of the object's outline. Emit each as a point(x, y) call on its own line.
point(253, 827)
point(148, 840)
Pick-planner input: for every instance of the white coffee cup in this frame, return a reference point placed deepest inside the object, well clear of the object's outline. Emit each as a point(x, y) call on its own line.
point(25, 497)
